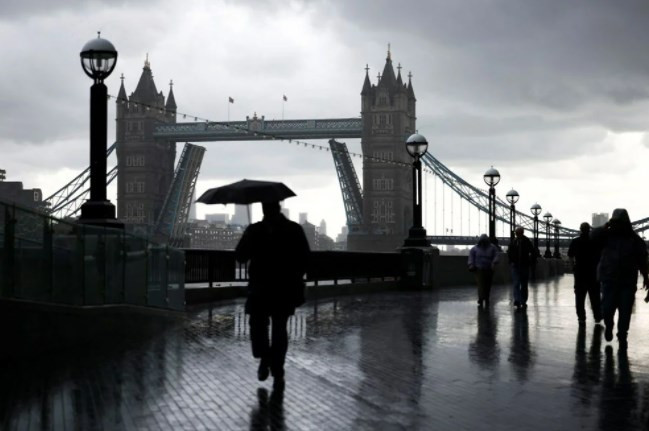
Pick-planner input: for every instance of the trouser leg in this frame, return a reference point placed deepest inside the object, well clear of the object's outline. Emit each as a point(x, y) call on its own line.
point(595, 299)
point(524, 275)
point(279, 344)
point(259, 335)
point(627, 298)
point(488, 279)
point(609, 304)
point(516, 281)
point(580, 299)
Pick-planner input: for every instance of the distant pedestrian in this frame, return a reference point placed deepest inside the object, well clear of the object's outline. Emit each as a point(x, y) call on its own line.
point(584, 256)
point(278, 251)
point(623, 254)
point(521, 255)
point(482, 259)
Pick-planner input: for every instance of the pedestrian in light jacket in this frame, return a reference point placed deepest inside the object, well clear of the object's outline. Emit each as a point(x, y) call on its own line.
point(482, 259)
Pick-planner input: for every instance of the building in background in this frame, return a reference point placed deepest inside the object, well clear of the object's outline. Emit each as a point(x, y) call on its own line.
point(13, 192)
point(240, 217)
point(388, 117)
point(218, 218)
point(303, 218)
point(323, 227)
point(192, 208)
point(599, 219)
point(285, 211)
point(145, 165)
point(341, 239)
point(202, 234)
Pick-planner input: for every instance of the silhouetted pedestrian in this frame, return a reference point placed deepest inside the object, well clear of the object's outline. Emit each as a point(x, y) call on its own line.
point(521, 255)
point(584, 256)
point(278, 251)
point(623, 254)
point(482, 259)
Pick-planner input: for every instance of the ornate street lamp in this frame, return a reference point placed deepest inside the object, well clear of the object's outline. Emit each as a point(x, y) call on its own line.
point(416, 146)
point(536, 210)
point(98, 59)
point(492, 178)
point(557, 223)
point(512, 197)
point(547, 216)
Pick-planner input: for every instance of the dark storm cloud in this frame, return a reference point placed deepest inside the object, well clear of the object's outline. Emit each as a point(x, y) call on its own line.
point(561, 56)
point(18, 9)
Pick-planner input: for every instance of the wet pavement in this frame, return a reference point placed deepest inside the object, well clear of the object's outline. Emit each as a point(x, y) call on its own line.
point(397, 361)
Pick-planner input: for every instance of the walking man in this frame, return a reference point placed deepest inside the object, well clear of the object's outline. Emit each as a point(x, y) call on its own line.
point(623, 254)
point(278, 251)
point(584, 257)
point(482, 259)
point(521, 255)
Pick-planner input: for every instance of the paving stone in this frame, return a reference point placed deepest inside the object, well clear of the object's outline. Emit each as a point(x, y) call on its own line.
point(389, 361)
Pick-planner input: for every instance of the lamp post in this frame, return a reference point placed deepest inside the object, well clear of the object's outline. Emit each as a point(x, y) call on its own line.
point(536, 210)
point(547, 216)
point(416, 146)
point(98, 59)
point(512, 197)
point(557, 223)
point(492, 178)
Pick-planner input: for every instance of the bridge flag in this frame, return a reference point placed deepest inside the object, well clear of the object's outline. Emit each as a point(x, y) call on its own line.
point(230, 101)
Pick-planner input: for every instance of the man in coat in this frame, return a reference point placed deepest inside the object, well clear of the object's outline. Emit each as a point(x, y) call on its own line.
point(277, 250)
point(623, 254)
point(584, 256)
point(521, 255)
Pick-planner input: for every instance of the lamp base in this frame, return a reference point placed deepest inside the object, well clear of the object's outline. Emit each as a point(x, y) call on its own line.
point(416, 238)
point(99, 213)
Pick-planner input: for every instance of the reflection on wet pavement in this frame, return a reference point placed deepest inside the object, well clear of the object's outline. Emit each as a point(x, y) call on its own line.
point(387, 361)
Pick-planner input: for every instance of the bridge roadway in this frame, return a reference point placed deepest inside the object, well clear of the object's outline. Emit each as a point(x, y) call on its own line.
point(258, 129)
point(396, 361)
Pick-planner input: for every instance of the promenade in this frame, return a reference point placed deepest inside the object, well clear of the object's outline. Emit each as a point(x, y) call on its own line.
point(390, 361)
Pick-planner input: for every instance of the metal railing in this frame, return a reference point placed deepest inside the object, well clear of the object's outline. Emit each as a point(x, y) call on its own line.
point(213, 266)
point(50, 260)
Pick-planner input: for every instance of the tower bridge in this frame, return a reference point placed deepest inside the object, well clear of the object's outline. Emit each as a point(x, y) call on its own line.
point(153, 195)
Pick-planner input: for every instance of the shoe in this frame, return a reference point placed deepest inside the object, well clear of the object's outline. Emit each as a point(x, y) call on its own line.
point(263, 371)
point(608, 333)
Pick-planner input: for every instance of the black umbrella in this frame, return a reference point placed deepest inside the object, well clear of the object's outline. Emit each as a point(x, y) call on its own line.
point(246, 192)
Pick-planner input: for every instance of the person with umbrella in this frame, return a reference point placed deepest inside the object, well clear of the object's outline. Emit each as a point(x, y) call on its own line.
point(277, 251)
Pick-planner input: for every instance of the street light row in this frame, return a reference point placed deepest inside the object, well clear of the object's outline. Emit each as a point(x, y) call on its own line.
point(492, 178)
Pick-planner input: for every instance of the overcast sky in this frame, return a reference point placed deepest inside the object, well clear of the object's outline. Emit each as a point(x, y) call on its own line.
point(554, 93)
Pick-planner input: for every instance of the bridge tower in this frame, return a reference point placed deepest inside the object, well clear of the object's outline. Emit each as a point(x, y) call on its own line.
point(388, 117)
point(145, 165)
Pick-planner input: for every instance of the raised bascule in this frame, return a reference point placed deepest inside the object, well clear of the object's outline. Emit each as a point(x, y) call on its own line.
point(154, 197)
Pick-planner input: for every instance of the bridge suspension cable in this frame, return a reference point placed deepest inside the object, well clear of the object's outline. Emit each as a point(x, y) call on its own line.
point(473, 195)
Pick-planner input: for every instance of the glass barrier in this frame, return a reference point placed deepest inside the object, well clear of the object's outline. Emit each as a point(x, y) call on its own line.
point(50, 260)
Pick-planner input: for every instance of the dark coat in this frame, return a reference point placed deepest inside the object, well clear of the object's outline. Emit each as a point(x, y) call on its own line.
point(586, 254)
point(623, 254)
point(521, 252)
point(278, 252)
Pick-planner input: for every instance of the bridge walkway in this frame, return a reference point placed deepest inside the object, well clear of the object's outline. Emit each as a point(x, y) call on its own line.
point(395, 361)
